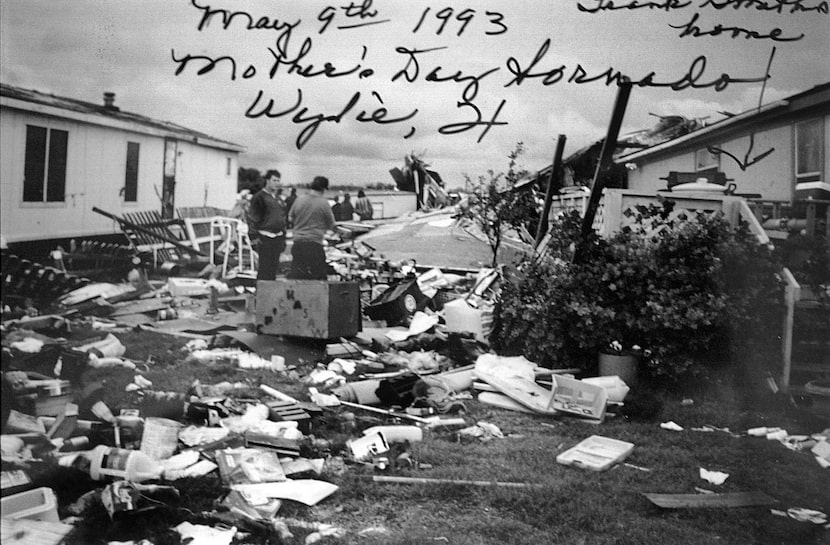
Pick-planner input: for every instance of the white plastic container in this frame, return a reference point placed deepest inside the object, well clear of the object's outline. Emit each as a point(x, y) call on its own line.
point(596, 453)
point(118, 463)
point(36, 504)
point(397, 434)
point(368, 446)
point(616, 388)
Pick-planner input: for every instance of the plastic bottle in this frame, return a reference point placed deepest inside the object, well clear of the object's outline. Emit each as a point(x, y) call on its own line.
point(118, 463)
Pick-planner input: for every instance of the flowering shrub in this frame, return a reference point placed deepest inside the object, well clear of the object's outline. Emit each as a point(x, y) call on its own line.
point(692, 290)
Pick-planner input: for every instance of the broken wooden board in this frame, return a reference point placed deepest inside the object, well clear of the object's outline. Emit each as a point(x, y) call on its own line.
point(191, 325)
point(292, 349)
point(141, 307)
point(709, 501)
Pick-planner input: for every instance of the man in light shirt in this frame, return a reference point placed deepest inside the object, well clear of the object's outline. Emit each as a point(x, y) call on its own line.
point(311, 217)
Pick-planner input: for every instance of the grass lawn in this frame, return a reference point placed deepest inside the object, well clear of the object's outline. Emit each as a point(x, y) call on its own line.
point(564, 504)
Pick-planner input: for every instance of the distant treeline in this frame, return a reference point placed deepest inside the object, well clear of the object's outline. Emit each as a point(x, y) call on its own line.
point(252, 179)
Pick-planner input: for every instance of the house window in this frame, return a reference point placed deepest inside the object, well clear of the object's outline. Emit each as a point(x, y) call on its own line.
point(809, 149)
point(228, 167)
point(131, 176)
point(44, 174)
point(706, 160)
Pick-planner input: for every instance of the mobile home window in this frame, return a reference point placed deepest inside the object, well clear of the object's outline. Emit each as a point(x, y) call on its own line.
point(809, 146)
point(706, 160)
point(44, 172)
point(228, 167)
point(131, 177)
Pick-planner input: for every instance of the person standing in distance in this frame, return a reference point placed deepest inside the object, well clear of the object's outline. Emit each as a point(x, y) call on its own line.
point(346, 208)
point(266, 218)
point(363, 207)
point(335, 208)
point(311, 217)
point(289, 202)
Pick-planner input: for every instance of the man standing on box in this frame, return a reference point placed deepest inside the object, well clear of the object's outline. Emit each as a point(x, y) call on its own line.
point(266, 217)
point(311, 217)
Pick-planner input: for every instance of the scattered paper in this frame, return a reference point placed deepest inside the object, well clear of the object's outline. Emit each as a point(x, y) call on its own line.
point(714, 477)
point(778, 435)
point(421, 322)
point(671, 426)
point(197, 534)
point(200, 435)
point(305, 491)
point(807, 515)
point(323, 400)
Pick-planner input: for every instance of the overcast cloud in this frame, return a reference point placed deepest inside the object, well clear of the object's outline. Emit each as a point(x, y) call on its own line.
point(81, 48)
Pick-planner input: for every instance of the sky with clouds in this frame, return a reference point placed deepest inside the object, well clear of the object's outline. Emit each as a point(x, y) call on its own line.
point(347, 89)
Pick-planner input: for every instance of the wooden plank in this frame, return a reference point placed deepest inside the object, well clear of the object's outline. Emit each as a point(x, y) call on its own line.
point(463, 482)
point(709, 501)
point(792, 293)
point(134, 227)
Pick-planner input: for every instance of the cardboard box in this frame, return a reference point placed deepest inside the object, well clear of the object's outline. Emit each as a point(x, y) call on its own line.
point(315, 309)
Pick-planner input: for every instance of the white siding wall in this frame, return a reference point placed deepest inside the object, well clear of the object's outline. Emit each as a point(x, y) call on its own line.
point(772, 177)
point(207, 180)
point(95, 174)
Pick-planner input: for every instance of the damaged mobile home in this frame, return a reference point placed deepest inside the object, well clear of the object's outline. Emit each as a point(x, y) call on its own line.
point(62, 157)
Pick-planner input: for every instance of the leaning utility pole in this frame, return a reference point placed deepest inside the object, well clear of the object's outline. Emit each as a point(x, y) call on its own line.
point(598, 185)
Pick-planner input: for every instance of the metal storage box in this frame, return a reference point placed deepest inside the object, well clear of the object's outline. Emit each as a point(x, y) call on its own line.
point(308, 308)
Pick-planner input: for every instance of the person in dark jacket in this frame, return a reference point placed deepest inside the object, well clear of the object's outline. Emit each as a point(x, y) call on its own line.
point(290, 201)
point(336, 208)
point(347, 208)
point(267, 221)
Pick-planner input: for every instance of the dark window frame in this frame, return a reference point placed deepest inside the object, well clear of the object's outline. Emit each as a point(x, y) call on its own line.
point(811, 175)
point(131, 172)
point(44, 171)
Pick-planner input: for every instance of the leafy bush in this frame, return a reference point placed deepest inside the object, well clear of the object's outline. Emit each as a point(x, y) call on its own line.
point(689, 289)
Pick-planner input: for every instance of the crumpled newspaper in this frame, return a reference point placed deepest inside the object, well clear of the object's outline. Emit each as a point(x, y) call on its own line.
point(714, 477)
point(483, 431)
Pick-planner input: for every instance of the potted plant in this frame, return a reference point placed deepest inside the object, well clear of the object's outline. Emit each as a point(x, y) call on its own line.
point(622, 361)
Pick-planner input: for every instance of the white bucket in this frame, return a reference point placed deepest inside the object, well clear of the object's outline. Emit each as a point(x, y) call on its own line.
point(160, 438)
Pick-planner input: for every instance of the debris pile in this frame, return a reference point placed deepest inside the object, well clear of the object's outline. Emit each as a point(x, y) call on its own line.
point(89, 440)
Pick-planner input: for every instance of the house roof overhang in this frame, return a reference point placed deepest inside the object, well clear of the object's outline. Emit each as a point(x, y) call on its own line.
point(809, 102)
point(83, 112)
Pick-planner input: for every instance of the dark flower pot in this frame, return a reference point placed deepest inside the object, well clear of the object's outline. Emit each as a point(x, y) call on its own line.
point(625, 366)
